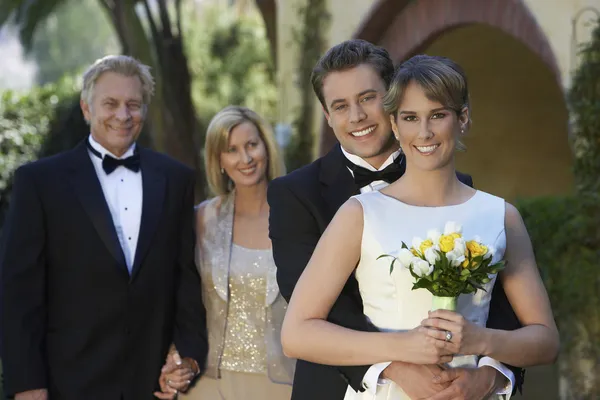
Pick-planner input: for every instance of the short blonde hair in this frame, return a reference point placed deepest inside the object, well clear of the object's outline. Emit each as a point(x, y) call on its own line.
point(217, 140)
point(121, 64)
point(441, 79)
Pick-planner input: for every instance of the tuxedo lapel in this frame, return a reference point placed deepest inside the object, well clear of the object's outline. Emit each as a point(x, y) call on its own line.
point(153, 189)
point(338, 184)
point(87, 188)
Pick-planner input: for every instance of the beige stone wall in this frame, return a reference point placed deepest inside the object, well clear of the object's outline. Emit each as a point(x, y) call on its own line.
point(554, 18)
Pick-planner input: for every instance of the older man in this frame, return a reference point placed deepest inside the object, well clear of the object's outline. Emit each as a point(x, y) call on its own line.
point(98, 275)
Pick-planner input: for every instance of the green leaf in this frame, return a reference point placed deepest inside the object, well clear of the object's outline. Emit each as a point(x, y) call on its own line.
point(28, 15)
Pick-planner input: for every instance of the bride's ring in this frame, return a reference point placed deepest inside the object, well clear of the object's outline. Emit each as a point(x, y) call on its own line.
point(448, 336)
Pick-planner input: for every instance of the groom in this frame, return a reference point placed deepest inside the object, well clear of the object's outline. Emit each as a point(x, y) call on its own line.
point(350, 81)
point(97, 257)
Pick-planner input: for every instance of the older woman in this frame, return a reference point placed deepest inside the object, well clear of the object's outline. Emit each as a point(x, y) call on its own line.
point(244, 308)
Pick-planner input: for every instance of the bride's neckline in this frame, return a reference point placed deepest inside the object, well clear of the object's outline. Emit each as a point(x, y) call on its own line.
point(477, 192)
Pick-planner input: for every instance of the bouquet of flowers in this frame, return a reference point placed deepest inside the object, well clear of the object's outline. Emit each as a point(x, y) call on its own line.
point(446, 264)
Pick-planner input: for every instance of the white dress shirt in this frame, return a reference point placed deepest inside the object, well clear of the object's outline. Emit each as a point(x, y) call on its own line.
point(371, 378)
point(123, 193)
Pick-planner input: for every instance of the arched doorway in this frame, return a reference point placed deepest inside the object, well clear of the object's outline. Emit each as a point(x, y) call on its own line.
point(520, 132)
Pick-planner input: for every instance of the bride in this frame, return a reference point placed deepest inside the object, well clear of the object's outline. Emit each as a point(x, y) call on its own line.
point(428, 103)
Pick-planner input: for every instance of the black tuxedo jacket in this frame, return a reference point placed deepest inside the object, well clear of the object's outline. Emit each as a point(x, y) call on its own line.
point(302, 204)
point(74, 320)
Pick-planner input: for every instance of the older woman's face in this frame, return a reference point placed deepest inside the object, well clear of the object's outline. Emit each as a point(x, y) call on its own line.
point(245, 160)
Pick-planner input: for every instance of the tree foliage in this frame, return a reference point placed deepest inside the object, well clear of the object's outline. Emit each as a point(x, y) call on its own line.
point(69, 39)
point(230, 62)
point(311, 38)
point(584, 102)
point(25, 120)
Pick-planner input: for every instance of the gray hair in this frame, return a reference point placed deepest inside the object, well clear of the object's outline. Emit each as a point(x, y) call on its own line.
point(121, 64)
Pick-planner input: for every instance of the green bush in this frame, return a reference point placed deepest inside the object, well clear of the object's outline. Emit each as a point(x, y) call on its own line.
point(25, 120)
point(564, 234)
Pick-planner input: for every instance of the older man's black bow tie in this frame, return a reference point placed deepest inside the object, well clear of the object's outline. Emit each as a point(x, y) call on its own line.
point(364, 177)
point(109, 163)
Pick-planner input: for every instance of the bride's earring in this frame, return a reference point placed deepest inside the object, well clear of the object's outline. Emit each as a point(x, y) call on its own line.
point(222, 171)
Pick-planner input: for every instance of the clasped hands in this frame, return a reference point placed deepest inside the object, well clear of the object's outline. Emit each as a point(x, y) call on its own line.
point(424, 375)
point(176, 375)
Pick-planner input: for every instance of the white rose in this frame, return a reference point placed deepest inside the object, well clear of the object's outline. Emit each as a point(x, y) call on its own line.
point(452, 227)
point(416, 243)
point(404, 257)
point(431, 254)
point(456, 258)
point(460, 246)
point(421, 267)
point(490, 253)
point(434, 236)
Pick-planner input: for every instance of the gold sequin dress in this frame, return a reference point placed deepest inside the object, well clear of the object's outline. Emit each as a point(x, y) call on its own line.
point(244, 315)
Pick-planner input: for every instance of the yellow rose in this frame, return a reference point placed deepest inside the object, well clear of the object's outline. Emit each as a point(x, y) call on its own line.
point(476, 249)
point(456, 235)
point(465, 264)
point(425, 244)
point(446, 243)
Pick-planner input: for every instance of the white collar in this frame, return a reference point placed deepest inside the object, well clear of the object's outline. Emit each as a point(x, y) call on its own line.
point(100, 149)
point(362, 163)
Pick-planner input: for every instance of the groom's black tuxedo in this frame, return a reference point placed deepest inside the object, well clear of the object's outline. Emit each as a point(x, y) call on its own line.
point(302, 205)
point(74, 320)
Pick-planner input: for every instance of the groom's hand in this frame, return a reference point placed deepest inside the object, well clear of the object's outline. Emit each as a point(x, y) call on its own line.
point(416, 380)
point(469, 383)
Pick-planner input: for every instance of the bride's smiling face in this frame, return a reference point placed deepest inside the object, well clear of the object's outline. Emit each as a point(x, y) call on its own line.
point(427, 130)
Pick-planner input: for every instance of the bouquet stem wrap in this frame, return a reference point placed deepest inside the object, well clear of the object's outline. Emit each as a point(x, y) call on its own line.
point(443, 303)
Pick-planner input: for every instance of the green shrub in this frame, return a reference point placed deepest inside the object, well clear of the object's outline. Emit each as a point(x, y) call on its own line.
point(25, 120)
point(564, 232)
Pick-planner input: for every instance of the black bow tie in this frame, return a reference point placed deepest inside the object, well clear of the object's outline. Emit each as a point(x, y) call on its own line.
point(109, 163)
point(364, 177)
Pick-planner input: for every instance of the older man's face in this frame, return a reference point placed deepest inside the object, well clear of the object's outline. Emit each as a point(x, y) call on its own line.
point(116, 113)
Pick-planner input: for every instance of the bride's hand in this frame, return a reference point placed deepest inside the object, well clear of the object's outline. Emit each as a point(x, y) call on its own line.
point(466, 338)
point(424, 349)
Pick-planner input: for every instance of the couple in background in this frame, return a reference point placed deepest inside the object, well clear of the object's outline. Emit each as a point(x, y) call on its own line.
point(101, 298)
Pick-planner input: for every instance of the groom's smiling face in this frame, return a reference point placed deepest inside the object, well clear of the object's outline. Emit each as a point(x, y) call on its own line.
point(354, 99)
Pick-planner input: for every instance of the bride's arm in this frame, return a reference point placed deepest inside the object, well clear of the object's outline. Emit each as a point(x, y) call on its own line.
point(306, 334)
point(538, 341)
